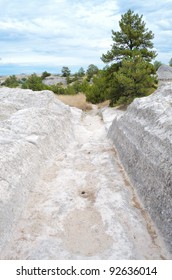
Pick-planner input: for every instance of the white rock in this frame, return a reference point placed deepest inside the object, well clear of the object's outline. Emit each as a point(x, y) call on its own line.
point(143, 138)
point(164, 72)
point(34, 127)
point(109, 114)
point(53, 80)
point(63, 192)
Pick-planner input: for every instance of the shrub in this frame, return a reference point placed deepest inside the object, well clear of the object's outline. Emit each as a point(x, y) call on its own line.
point(11, 82)
point(97, 92)
point(35, 83)
point(57, 89)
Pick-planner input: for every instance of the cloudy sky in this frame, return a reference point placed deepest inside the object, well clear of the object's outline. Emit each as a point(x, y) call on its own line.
point(38, 35)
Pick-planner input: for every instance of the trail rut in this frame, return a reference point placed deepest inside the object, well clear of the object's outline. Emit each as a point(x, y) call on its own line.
point(83, 207)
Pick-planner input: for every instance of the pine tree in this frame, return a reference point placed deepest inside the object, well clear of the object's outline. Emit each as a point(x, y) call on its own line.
point(91, 71)
point(130, 73)
point(65, 71)
point(133, 39)
point(81, 72)
point(133, 79)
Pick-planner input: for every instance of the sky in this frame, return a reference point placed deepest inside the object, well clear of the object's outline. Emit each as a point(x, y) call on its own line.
point(45, 35)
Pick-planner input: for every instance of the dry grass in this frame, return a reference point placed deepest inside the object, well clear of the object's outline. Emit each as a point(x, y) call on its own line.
point(103, 104)
point(78, 101)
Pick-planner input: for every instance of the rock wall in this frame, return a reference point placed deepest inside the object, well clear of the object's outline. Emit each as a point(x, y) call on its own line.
point(143, 138)
point(34, 126)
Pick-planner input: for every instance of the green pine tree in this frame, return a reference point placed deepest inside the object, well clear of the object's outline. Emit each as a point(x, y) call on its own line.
point(65, 71)
point(91, 71)
point(133, 79)
point(133, 39)
point(131, 73)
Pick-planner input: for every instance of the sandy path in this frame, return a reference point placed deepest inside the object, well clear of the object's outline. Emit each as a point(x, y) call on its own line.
point(83, 207)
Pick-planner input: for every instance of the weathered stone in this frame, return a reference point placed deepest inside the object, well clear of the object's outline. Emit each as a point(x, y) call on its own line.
point(143, 138)
point(64, 194)
point(34, 127)
point(164, 73)
point(53, 80)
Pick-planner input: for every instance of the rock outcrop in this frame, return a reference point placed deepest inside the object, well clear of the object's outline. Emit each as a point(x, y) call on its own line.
point(53, 80)
point(31, 131)
point(143, 138)
point(164, 73)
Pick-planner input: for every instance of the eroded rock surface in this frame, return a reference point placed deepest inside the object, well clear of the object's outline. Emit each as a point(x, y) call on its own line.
point(64, 194)
point(53, 80)
point(143, 138)
point(31, 130)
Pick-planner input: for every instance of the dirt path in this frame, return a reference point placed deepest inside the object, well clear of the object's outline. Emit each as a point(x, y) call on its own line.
point(83, 207)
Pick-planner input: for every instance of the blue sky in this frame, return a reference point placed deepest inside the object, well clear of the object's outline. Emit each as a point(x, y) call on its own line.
point(38, 35)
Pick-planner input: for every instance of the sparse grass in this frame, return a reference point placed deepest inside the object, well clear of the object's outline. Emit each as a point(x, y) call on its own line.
point(103, 104)
point(78, 101)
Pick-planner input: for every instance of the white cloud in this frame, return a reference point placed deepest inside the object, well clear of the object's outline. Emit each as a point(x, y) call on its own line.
point(69, 29)
point(73, 32)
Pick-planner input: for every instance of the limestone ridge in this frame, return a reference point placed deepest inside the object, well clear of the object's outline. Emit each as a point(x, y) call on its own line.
point(143, 138)
point(31, 131)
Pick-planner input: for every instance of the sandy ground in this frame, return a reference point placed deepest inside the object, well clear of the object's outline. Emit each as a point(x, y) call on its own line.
point(84, 207)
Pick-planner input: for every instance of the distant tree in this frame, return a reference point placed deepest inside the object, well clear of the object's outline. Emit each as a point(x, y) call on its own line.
point(65, 71)
point(11, 82)
point(91, 71)
point(45, 74)
point(81, 72)
point(170, 62)
point(157, 64)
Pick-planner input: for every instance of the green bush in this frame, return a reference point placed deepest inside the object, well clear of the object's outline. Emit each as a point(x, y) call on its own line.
point(11, 82)
point(97, 92)
point(134, 79)
point(85, 86)
point(57, 89)
point(35, 83)
point(70, 90)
